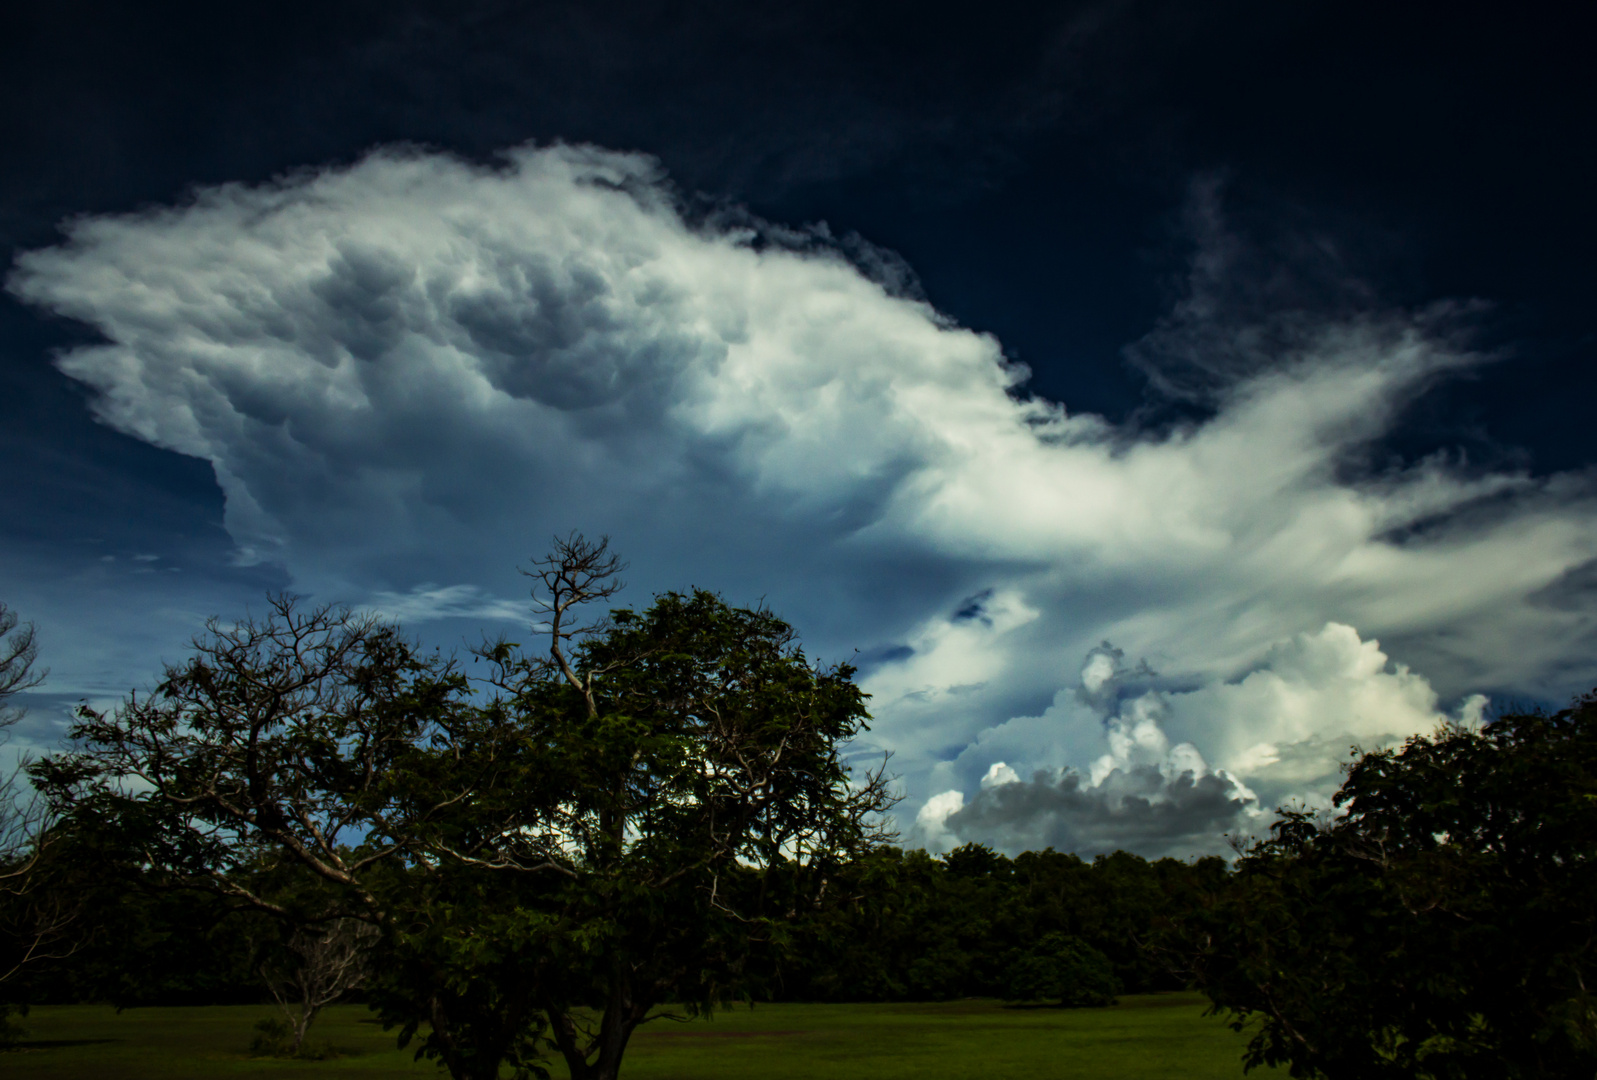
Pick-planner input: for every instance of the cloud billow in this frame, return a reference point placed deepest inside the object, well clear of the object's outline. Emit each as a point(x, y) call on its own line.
point(1138, 809)
point(1281, 733)
point(408, 372)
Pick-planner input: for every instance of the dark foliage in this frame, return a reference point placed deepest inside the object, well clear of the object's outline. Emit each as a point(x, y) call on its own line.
point(1443, 926)
point(1061, 968)
point(905, 926)
point(547, 862)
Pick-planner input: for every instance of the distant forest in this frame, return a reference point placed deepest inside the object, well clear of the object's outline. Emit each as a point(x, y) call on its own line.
point(901, 926)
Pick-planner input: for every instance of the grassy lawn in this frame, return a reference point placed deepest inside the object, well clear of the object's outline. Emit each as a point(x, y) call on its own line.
point(1146, 1038)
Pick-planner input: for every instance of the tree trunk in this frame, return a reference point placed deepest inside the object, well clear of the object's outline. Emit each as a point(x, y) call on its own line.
point(601, 1058)
point(302, 1023)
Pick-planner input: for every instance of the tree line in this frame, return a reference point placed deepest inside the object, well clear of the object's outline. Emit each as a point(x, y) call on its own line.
point(903, 926)
point(650, 812)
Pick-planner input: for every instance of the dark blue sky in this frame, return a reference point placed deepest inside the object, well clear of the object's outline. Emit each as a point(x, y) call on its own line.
point(1146, 203)
point(1029, 161)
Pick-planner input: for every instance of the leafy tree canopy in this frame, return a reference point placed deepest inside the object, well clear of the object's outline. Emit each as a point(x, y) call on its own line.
point(549, 858)
point(1061, 968)
point(1442, 926)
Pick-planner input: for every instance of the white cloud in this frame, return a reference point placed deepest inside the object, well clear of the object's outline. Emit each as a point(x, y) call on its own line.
point(931, 819)
point(1294, 720)
point(409, 372)
point(998, 774)
point(428, 602)
point(1281, 733)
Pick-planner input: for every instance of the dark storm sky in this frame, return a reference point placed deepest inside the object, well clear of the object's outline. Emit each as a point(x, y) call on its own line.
point(1082, 181)
point(1029, 161)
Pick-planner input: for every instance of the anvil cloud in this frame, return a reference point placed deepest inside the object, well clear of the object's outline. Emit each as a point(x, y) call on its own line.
point(408, 372)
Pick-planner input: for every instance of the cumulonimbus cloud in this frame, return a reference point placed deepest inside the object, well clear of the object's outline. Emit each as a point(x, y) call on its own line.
point(1279, 734)
point(409, 371)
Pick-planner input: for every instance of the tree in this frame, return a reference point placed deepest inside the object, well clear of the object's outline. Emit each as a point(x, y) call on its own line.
point(683, 759)
point(280, 739)
point(19, 820)
point(139, 945)
point(591, 833)
point(19, 650)
point(315, 968)
point(284, 748)
point(1441, 926)
point(1062, 968)
point(34, 918)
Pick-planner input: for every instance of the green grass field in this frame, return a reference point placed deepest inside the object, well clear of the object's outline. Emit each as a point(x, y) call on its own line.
point(1147, 1038)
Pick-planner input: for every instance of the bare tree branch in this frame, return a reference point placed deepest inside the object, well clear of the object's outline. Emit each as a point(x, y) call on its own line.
point(19, 650)
point(35, 921)
point(324, 964)
point(576, 573)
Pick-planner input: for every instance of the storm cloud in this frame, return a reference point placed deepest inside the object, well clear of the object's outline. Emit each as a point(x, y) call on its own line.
point(408, 372)
point(1139, 809)
point(1279, 734)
